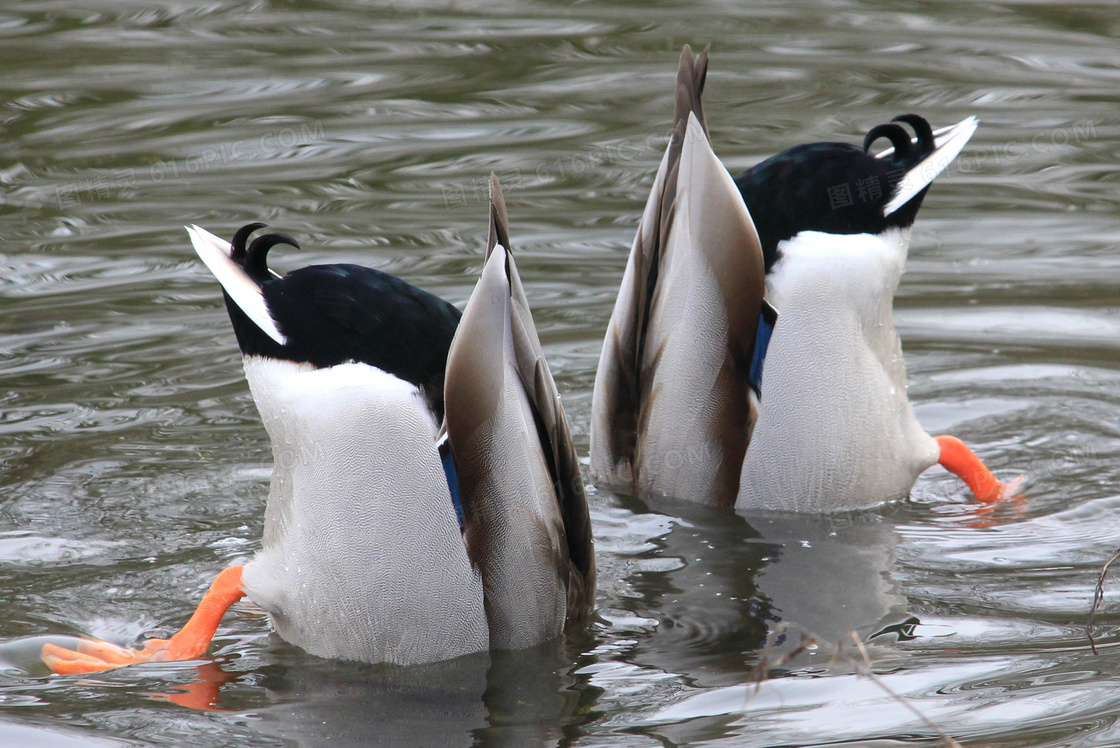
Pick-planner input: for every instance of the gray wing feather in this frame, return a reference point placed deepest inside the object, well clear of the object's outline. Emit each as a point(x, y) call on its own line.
point(526, 519)
point(672, 411)
point(555, 434)
point(618, 386)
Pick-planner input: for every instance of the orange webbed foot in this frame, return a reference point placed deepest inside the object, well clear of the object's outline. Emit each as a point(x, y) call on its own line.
point(192, 641)
point(91, 656)
point(958, 459)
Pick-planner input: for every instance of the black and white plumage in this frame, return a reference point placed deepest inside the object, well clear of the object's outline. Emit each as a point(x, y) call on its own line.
point(361, 379)
point(824, 242)
point(325, 315)
point(840, 188)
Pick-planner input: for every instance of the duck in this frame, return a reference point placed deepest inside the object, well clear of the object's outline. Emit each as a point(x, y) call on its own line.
point(425, 500)
point(789, 268)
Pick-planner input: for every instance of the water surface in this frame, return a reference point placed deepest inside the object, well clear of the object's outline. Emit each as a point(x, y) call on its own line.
point(134, 465)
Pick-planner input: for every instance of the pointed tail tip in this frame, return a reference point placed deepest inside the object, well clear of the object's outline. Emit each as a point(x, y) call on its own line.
point(496, 194)
point(688, 54)
point(692, 72)
point(499, 217)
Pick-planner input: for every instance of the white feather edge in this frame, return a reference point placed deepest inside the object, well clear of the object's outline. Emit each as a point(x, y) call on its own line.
point(214, 253)
point(949, 142)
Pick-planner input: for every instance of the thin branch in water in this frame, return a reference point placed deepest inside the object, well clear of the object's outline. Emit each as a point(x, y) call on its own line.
point(949, 741)
point(861, 666)
point(1098, 598)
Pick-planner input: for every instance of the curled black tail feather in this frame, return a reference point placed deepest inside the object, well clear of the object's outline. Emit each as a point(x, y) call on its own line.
point(254, 259)
point(922, 129)
point(336, 314)
point(237, 244)
point(898, 136)
point(838, 188)
point(255, 264)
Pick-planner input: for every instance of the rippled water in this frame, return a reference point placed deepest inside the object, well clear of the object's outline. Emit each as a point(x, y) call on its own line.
point(135, 466)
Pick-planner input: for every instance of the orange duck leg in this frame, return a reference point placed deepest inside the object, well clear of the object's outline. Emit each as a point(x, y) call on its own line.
point(958, 459)
point(190, 643)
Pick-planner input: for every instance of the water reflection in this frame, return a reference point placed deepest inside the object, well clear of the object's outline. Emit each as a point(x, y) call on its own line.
point(696, 583)
point(522, 698)
point(312, 702)
point(517, 698)
point(717, 584)
point(833, 575)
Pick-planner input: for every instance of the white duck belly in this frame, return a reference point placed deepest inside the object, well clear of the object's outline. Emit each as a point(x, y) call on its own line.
point(835, 429)
point(362, 554)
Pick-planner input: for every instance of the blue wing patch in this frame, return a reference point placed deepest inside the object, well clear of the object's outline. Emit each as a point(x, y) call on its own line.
point(452, 475)
point(766, 319)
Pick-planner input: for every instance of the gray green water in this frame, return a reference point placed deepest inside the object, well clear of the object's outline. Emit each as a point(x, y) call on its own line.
point(134, 466)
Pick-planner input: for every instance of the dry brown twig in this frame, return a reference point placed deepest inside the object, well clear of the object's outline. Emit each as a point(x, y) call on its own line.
point(861, 666)
point(1098, 598)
